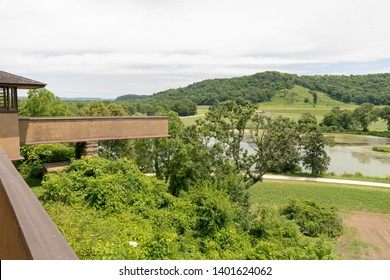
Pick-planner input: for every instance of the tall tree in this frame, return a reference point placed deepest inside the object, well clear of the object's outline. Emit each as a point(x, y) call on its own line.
point(155, 155)
point(365, 115)
point(341, 119)
point(312, 144)
point(43, 103)
point(275, 142)
point(226, 123)
point(315, 97)
point(314, 155)
point(384, 113)
point(94, 109)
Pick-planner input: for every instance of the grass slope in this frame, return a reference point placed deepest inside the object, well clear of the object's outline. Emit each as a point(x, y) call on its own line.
point(291, 103)
point(296, 97)
point(344, 197)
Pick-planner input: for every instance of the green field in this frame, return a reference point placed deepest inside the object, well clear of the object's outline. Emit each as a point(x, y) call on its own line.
point(283, 104)
point(344, 197)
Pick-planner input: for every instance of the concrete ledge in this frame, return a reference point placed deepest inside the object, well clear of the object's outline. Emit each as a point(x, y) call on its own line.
point(86, 129)
point(55, 166)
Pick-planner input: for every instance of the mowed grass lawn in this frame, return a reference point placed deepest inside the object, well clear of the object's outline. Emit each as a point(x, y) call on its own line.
point(344, 197)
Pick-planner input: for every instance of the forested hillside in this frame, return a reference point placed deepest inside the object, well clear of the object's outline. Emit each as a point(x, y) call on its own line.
point(374, 88)
point(260, 87)
point(255, 88)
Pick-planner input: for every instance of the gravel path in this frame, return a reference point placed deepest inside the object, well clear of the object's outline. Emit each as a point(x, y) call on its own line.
point(327, 180)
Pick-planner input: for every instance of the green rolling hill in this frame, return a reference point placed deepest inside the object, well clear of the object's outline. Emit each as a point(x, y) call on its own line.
point(332, 90)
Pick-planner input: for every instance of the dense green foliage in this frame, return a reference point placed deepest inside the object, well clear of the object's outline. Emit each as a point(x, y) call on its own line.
point(260, 87)
point(313, 219)
point(255, 88)
point(364, 116)
point(360, 118)
point(373, 88)
point(110, 210)
point(151, 107)
point(43, 103)
point(338, 119)
point(279, 144)
point(36, 156)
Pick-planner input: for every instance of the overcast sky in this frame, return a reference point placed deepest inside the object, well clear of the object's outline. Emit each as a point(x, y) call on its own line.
point(107, 48)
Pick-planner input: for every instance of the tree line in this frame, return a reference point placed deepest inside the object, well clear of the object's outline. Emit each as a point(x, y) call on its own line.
point(44, 103)
point(260, 87)
point(360, 118)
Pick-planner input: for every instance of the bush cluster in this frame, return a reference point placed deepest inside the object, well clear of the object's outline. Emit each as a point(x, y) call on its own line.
point(110, 210)
point(35, 156)
point(313, 219)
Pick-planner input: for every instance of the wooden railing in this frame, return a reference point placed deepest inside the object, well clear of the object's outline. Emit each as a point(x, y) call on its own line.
point(26, 230)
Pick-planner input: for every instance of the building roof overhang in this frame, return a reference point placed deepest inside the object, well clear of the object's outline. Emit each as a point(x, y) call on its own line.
point(11, 80)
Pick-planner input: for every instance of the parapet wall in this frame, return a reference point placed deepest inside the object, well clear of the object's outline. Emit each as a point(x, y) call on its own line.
point(85, 129)
point(26, 230)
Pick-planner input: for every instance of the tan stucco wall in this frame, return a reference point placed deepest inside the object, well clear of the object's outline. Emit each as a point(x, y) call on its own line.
point(83, 129)
point(9, 134)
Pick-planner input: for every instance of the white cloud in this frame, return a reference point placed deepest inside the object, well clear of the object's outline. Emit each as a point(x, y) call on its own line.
point(194, 39)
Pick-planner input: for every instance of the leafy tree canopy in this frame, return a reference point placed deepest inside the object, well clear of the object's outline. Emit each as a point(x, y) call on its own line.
point(43, 103)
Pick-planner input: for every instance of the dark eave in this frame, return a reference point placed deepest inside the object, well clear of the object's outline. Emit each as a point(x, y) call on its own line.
point(11, 80)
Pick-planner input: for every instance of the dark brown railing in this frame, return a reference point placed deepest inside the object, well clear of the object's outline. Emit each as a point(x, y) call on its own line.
point(26, 230)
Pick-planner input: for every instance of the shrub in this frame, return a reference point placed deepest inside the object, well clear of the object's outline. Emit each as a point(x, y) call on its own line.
point(104, 185)
point(61, 188)
point(213, 209)
point(277, 238)
point(106, 194)
point(35, 156)
point(313, 220)
point(269, 224)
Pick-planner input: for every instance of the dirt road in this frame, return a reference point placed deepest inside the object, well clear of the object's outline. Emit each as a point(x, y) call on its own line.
point(366, 237)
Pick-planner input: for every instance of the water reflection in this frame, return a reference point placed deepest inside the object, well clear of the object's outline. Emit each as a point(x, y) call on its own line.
point(353, 153)
point(362, 158)
point(358, 156)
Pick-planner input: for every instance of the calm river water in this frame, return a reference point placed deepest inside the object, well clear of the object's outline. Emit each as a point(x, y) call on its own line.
point(353, 153)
